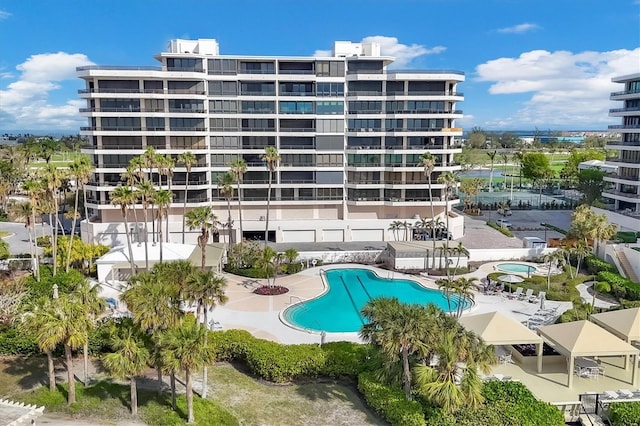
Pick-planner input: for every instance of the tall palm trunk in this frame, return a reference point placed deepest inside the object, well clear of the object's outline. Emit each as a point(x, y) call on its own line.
point(33, 243)
point(433, 217)
point(229, 221)
point(190, 418)
point(126, 231)
point(86, 217)
point(205, 369)
point(160, 231)
point(240, 211)
point(73, 229)
point(134, 396)
point(407, 372)
point(172, 379)
point(146, 238)
point(70, 375)
point(52, 372)
point(266, 229)
point(169, 181)
point(184, 205)
point(85, 360)
point(159, 373)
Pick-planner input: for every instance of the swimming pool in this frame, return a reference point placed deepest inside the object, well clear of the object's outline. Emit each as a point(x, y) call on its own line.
point(338, 310)
point(516, 267)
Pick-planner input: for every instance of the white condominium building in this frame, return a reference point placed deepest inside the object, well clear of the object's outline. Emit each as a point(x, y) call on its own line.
point(349, 131)
point(624, 192)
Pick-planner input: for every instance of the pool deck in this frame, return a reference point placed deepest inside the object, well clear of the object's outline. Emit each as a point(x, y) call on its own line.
point(260, 315)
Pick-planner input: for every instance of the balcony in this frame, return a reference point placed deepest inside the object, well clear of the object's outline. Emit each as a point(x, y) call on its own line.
point(257, 93)
point(258, 129)
point(123, 109)
point(302, 129)
point(630, 195)
point(185, 69)
point(282, 93)
point(633, 179)
point(624, 94)
point(111, 129)
point(631, 109)
point(624, 127)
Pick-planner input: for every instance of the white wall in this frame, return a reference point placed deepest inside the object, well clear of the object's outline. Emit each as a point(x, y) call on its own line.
point(490, 255)
point(633, 257)
point(625, 223)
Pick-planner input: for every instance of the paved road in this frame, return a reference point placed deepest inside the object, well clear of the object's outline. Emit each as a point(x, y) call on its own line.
point(19, 240)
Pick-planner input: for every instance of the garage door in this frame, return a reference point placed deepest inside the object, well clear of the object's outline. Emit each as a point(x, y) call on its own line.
point(333, 235)
point(367, 234)
point(298, 236)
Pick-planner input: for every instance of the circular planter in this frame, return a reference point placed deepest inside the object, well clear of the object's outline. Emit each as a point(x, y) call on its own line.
point(266, 290)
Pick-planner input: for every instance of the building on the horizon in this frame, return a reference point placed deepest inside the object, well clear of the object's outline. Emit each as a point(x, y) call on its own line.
point(350, 133)
point(624, 193)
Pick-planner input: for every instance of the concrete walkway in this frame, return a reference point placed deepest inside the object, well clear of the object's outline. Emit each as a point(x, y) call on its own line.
point(586, 293)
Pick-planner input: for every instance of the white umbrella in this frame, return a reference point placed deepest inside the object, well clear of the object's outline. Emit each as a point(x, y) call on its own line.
point(511, 279)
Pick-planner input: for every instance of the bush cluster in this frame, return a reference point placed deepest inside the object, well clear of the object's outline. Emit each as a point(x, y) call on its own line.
point(595, 265)
point(389, 402)
point(624, 414)
point(554, 228)
point(620, 286)
point(497, 227)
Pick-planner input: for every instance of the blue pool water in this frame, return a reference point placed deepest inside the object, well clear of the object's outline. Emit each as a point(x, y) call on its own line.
point(516, 267)
point(338, 310)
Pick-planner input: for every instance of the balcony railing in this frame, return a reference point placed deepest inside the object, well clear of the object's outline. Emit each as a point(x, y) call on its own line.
point(294, 72)
point(284, 146)
point(282, 93)
point(116, 67)
point(257, 93)
point(622, 193)
point(404, 93)
point(625, 92)
point(185, 69)
point(258, 129)
point(624, 160)
point(630, 109)
point(624, 126)
point(305, 129)
point(635, 179)
point(627, 143)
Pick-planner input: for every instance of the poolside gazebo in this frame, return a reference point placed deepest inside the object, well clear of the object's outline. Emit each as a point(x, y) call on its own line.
point(584, 338)
point(624, 323)
point(498, 329)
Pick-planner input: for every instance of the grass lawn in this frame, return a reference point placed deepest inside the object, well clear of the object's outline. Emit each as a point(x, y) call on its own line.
point(4, 234)
point(251, 401)
point(260, 403)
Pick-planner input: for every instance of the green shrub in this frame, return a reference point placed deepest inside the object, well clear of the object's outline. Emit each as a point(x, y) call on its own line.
point(554, 228)
point(345, 359)
point(231, 345)
point(248, 272)
point(283, 363)
point(624, 413)
point(595, 265)
point(497, 227)
point(632, 289)
point(15, 342)
point(626, 236)
point(4, 249)
point(517, 404)
point(206, 412)
point(390, 402)
point(291, 268)
point(43, 241)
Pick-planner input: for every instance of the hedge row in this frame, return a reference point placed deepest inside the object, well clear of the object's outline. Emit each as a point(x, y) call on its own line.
point(620, 286)
point(554, 228)
point(624, 413)
point(595, 265)
point(283, 363)
point(390, 402)
point(497, 227)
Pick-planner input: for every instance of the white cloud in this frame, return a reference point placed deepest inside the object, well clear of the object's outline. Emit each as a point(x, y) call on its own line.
point(4, 15)
point(565, 87)
point(25, 102)
point(518, 29)
point(389, 46)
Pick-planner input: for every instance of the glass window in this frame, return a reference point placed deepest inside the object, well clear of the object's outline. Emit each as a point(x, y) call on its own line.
point(330, 89)
point(330, 107)
point(287, 107)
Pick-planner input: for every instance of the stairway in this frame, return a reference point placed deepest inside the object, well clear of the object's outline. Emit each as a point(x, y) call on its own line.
point(627, 270)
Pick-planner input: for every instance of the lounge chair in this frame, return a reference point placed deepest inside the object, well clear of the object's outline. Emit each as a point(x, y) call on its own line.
point(626, 393)
point(611, 395)
point(527, 295)
point(541, 295)
point(518, 293)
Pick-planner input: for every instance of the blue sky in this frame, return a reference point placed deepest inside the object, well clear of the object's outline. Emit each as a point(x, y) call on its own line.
point(543, 64)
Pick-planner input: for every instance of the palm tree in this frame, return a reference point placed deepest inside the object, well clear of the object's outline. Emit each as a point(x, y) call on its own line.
point(463, 289)
point(65, 321)
point(84, 174)
point(87, 295)
point(599, 287)
point(428, 163)
point(79, 171)
point(447, 287)
point(225, 184)
point(33, 189)
point(272, 159)
point(518, 156)
point(454, 380)
point(162, 199)
point(581, 250)
point(552, 259)
point(52, 177)
point(206, 290)
point(492, 157)
point(151, 159)
point(146, 190)
point(394, 227)
point(35, 316)
point(459, 250)
point(450, 181)
point(238, 169)
point(505, 158)
point(400, 330)
point(291, 255)
point(23, 212)
point(124, 197)
point(166, 168)
point(130, 357)
point(155, 304)
point(188, 159)
point(184, 348)
point(203, 218)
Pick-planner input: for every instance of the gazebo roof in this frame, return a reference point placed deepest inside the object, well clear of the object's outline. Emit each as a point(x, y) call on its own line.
point(498, 329)
point(584, 338)
point(624, 323)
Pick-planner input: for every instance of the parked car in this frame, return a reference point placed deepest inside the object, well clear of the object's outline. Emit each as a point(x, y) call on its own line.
point(504, 212)
point(504, 223)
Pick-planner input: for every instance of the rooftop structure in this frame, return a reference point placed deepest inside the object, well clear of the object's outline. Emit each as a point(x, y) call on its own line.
point(349, 131)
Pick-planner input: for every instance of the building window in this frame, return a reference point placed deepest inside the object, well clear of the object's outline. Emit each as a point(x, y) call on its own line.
point(330, 89)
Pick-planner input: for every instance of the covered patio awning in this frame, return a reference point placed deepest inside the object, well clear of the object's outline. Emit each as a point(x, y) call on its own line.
point(498, 329)
point(214, 254)
point(584, 338)
point(624, 323)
